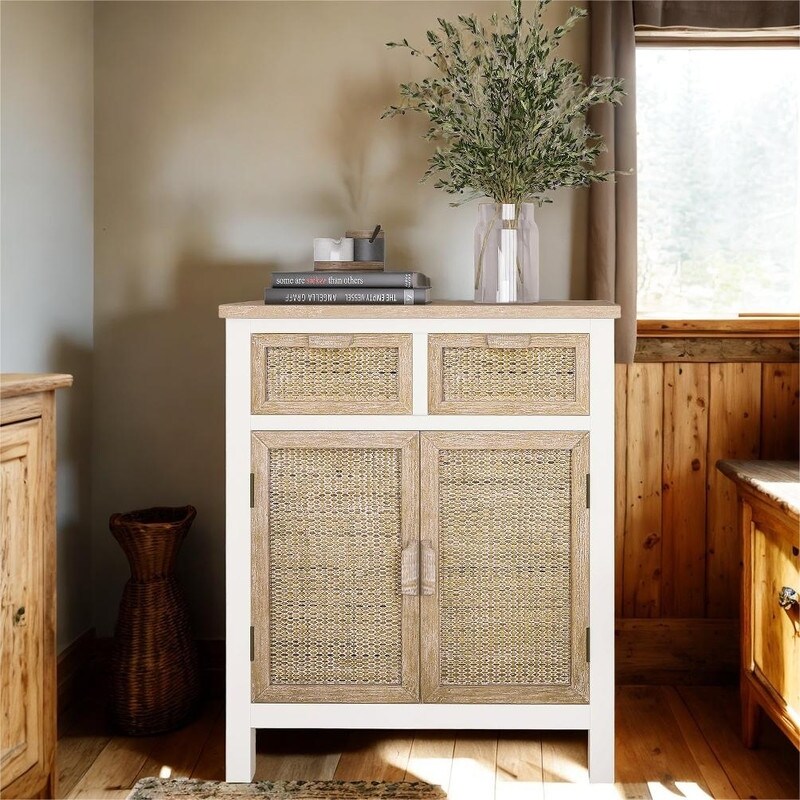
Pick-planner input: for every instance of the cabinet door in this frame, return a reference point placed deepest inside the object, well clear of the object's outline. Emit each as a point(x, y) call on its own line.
point(505, 579)
point(334, 588)
point(21, 592)
point(775, 564)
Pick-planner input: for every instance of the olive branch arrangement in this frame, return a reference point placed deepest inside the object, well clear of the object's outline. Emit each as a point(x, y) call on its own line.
point(507, 115)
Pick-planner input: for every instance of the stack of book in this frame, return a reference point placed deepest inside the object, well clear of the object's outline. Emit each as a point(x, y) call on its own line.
point(375, 287)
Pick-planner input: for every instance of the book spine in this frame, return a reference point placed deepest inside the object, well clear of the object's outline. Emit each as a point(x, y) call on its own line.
point(347, 296)
point(348, 280)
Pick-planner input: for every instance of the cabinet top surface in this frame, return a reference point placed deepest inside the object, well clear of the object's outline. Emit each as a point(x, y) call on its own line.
point(776, 482)
point(13, 384)
point(442, 309)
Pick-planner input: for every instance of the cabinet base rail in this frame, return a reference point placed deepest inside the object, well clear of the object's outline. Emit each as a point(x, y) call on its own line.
point(379, 716)
point(240, 737)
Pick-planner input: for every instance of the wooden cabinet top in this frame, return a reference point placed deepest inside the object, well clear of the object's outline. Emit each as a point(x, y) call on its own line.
point(13, 384)
point(775, 482)
point(442, 309)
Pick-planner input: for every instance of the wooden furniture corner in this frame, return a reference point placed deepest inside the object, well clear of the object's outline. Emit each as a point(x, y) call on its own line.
point(28, 584)
point(769, 502)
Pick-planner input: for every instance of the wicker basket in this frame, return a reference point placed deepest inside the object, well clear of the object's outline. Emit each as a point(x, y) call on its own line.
point(155, 681)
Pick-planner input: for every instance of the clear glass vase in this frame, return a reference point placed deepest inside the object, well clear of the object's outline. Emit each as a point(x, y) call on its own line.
point(506, 254)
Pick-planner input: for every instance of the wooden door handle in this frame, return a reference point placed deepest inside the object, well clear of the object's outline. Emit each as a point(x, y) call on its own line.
point(335, 341)
point(507, 340)
point(428, 570)
point(409, 570)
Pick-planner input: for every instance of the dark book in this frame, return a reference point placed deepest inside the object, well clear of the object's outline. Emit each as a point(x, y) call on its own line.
point(307, 296)
point(356, 279)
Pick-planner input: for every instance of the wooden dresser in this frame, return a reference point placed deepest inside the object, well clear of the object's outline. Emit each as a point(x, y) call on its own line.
point(769, 502)
point(28, 584)
point(412, 541)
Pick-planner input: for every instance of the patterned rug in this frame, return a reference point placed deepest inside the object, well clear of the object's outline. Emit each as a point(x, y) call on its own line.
point(157, 789)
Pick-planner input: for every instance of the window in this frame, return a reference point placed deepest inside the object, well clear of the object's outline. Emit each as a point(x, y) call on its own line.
point(718, 175)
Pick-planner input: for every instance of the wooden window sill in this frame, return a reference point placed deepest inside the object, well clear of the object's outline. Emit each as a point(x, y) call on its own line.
point(779, 327)
point(744, 339)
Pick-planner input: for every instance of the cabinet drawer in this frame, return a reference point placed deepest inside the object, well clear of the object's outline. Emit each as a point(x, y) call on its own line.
point(508, 374)
point(331, 374)
point(775, 631)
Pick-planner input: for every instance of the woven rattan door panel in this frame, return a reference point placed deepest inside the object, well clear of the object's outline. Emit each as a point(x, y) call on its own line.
point(504, 567)
point(508, 373)
point(331, 373)
point(335, 603)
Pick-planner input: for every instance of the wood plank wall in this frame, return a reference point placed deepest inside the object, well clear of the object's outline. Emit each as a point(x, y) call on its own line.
point(677, 542)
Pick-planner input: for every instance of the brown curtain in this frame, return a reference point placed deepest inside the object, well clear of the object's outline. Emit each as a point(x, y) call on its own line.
point(612, 205)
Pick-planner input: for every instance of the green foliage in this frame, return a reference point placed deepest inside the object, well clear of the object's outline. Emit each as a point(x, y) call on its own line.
point(507, 114)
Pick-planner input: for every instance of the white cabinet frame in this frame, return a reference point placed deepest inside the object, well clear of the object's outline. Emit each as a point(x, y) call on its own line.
point(597, 716)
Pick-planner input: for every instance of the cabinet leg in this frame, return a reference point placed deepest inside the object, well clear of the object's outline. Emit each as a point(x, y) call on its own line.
point(240, 752)
point(601, 754)
point(751, 714)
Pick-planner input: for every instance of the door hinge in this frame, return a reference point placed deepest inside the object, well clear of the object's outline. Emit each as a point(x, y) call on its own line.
point(252, 643)
point(587, 646)
point(588, 485)
point(252, 490)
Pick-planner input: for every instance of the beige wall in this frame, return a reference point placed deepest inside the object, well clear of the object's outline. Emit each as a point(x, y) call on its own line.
point(227, 136)
point(46, 273)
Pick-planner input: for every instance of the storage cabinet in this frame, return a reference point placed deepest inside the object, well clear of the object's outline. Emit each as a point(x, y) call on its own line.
point(769, 512)
point(27, 585)
point(416, 548)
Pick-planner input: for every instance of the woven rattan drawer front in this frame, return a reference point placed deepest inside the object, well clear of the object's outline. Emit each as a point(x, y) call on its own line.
point(331, 374)
point(504, 605)
point(508, 374)
point(335, 515)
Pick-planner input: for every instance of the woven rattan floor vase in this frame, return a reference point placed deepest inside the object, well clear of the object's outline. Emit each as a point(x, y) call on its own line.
point(155, 679)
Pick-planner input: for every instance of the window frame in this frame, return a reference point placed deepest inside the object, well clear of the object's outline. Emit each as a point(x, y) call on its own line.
point(745, 324)
point(646, 36)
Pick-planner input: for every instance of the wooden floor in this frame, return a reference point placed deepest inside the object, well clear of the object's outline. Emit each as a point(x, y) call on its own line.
point(672, 742)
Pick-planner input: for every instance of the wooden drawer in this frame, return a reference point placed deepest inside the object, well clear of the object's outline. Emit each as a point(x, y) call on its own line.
point(508, 374)
point(331, 373)
point(775, 630)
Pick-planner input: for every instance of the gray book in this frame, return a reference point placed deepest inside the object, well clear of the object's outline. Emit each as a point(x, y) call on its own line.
point(374, 279)
point(312, 296)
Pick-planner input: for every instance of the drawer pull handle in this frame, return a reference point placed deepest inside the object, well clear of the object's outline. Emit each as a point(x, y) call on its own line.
point(505, 341)
point(787, 597)
point(409, 570)
point(428, 568)
point(336, 342)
